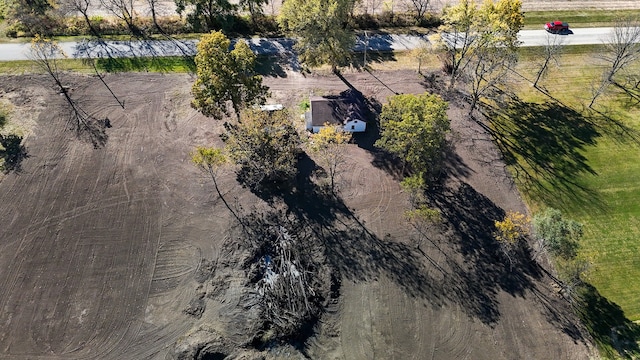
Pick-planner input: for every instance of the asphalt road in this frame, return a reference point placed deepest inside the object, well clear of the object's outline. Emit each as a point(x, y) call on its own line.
point(282, 46)
point(578, 36)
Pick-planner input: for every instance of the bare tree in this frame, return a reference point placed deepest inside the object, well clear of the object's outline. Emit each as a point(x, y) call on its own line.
point(468, 33)
point(371, 6)
point(421, 218)
point(212, 162)
point(254, 7)
point(46, 54)
point(418, 8)
point(153, 7)
point(487, 71)
point(123, 10)
point(552, 50)
point(622, 49)
point(421, 53)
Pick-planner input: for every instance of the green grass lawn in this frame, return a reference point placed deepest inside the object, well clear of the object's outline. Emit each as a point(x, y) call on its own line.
point(586, 164)
point(576, 18)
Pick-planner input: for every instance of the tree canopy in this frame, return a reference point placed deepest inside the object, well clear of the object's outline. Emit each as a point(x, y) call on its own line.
point(224, 75)
point(265, 145)
point(414, 128)
point(321, 29)
point(557, 233)
point(32, 16)
point(328, 145)
point(207, 14)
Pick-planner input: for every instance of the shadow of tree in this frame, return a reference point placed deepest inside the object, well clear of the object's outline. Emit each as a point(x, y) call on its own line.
point(142, 55)
point(471, 278)
point(615, 335)
point(558, 311)
point(87, 126)
point(366, 140)
point(543, 143)
point(165, 64)
point(94, 131)
point(275, 56)
point(269, 65)
point(13, 153)
point(484, 269)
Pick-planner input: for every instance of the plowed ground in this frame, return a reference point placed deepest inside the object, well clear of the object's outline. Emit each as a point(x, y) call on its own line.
point(100, 248)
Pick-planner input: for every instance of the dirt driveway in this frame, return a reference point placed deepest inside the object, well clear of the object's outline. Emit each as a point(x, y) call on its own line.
point(100, 248)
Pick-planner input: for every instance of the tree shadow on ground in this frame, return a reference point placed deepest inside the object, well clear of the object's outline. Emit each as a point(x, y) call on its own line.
point(275, 57)
point(484, 269)
point(12, 154)
point(372, 49)
point(360, 62)
point(471, 277)
point(141, 55)
point(615, 335)
point(371, 108)
point(269, 65)
point(87, 127)
point(606, 121)
point(543, 144)
point(559, 312)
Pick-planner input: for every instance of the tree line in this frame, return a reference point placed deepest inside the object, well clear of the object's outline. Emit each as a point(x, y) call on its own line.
point(123, 17)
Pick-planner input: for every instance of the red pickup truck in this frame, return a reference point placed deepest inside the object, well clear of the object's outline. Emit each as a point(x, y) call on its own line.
point(556, 27)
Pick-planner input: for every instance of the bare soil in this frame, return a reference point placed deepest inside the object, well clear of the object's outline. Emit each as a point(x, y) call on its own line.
point(124, 251)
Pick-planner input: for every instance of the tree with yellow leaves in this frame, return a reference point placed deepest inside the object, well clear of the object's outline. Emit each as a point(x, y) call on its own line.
point(511, 231)
point(329, 146)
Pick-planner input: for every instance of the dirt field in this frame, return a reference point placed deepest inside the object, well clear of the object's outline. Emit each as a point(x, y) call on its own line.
point(101, 249)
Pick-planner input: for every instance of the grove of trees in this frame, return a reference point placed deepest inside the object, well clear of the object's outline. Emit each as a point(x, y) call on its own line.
point(480, 44)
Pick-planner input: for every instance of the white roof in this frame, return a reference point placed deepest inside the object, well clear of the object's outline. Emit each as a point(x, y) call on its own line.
point(271, 107)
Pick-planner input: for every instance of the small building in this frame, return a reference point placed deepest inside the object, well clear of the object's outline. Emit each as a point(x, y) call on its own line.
point(344, 110)
point(271, 107)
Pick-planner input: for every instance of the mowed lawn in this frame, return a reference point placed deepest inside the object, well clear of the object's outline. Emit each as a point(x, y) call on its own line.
point(600, 181)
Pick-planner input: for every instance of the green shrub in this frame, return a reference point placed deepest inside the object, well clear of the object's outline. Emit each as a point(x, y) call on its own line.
point(3, 9)
point(304, 105)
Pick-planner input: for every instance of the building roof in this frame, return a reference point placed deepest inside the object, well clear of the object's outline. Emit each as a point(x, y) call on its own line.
point(271, 107)
point(338, 109)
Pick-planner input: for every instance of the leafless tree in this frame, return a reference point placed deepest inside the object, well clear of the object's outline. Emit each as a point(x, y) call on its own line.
point(153, 7)
point(422, 53)
point(123, 10)
point(254, 7)
point(46, 54)
point(622, 48)
point(371, 6)
point(418, 8)
point(487, 70)
point(552, 51)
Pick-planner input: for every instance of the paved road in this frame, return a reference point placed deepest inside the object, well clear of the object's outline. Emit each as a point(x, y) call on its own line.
point(579, 36)
point(282, 46)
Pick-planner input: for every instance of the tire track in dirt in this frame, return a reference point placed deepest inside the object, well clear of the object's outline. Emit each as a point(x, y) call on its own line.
point(108, 272)
point(174, 263)
point(76, 327)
